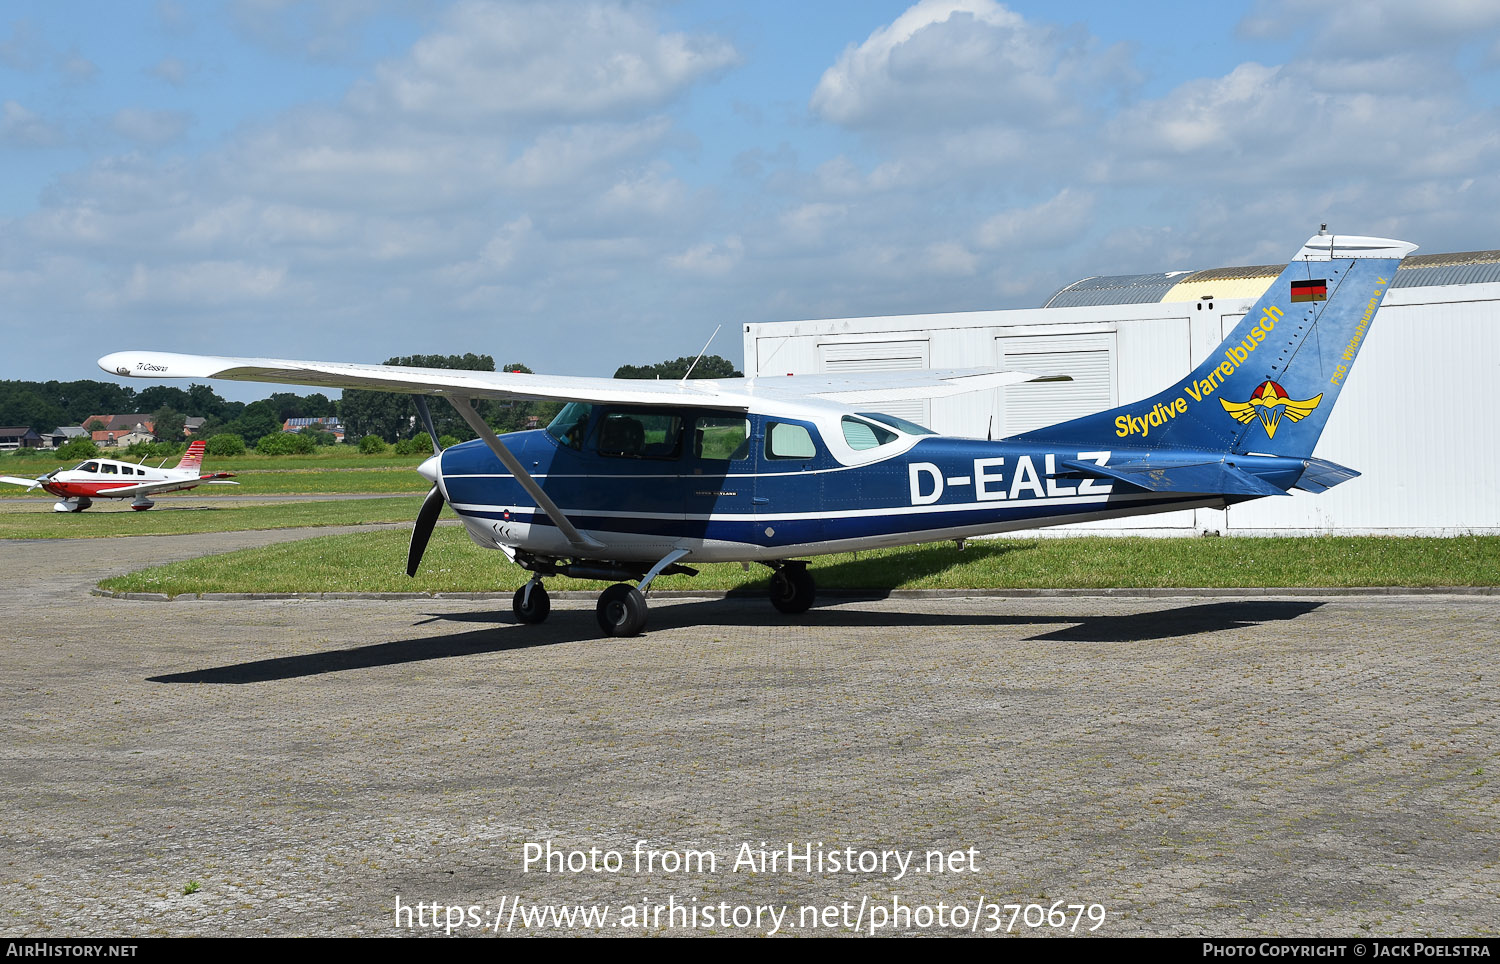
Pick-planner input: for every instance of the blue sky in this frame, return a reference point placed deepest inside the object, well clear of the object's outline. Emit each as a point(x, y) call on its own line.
point(583, 185)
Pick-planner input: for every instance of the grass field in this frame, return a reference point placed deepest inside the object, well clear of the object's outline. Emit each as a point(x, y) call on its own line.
point(24, 520)
point(327, 457)
point(375, 562)
point(330, 471)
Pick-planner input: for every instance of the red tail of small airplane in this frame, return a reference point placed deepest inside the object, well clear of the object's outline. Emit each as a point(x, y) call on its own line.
point(192, 459)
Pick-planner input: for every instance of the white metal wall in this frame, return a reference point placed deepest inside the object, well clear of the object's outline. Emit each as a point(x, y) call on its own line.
point(1417, 416)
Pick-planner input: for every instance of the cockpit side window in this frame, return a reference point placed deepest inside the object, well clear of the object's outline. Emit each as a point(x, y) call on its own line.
point(639, 434)
point(570, 424)
point(863, 435)
point(721, 438)
point(785, 440)
point(88, 467)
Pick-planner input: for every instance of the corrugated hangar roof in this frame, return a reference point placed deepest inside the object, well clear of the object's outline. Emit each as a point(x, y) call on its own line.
point(1464, 267)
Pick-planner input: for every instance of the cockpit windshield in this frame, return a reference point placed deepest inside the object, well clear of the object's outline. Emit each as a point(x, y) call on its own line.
point(899, 424)
point(570, 424)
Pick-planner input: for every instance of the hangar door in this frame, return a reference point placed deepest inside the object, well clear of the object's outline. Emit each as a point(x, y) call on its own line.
point(880, 356)
point(1088, 358)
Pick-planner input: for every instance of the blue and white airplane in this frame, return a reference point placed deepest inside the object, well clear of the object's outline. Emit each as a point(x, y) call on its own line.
point(635, 479)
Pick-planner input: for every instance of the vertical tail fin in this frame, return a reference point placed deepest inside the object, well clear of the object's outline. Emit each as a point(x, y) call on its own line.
point(192, 459)
point(1273, 382)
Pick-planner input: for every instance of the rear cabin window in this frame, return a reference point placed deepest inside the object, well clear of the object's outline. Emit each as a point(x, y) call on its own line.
point(863, 435)
point(640, 435)
point(721, 439)
point(109, 469)
point(787, 441)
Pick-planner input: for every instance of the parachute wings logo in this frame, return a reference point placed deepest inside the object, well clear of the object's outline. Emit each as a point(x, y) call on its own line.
point(1270, 404)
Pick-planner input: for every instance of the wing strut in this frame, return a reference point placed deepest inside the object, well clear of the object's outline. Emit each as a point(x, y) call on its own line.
point(543, 500)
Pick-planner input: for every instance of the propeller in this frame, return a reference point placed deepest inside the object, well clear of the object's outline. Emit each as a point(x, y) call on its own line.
point(432, 506)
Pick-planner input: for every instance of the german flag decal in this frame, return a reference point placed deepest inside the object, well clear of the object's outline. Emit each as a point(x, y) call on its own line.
point(1310, 290)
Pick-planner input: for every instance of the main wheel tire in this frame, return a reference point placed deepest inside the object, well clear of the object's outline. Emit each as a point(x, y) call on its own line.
point(535, 610)
point(621, 610)
point(792, 589)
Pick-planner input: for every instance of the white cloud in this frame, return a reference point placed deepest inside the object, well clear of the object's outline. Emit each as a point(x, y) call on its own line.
point(317, 30)
point(172, 70)
point(711, 259)
point(196, 284)
point(543, 61)
point(20, 127)
point(151, 128)
point(23, 49)
point(964, 62)
point(1058, 220)
point(1371, 28)
point(78, 68)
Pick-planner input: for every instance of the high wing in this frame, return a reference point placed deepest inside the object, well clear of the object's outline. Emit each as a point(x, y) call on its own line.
point(462, 386)
point(732, 394)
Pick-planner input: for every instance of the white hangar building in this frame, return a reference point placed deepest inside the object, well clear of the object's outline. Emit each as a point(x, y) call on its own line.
point(1418, 417)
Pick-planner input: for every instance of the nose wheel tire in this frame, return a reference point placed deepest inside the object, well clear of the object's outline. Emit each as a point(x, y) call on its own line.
point(621, 610)
point(792, 589)
point(533, 610)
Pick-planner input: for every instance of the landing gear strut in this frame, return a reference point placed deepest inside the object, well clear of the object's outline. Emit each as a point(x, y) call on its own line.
point(792, 588)
point(622, 608)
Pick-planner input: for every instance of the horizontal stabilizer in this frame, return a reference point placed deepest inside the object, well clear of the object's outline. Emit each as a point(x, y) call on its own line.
point(1321, 475)
point(1209, 477)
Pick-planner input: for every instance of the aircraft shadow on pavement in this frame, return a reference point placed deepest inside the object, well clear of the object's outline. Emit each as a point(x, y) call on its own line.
point(503, 634)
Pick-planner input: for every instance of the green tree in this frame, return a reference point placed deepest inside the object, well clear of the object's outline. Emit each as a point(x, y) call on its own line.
point(284, 443)
point(393, 416)
point(371, 445)
point(76, 449)
point(162, 396)
point(20, 405)
point(709, 366)
point(255, 422)
point(167, 424)
point(226, 445)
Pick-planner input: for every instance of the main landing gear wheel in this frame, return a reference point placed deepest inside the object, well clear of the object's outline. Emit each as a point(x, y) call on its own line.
point(621, 610)
point(792, 588)
point(533, 610)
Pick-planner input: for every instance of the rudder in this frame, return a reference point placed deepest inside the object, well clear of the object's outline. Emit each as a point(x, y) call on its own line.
point(192, 459)
point(1273, 382)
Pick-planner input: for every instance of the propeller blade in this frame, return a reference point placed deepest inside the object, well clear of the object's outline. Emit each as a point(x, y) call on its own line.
point(432, 506)
point(426, 415)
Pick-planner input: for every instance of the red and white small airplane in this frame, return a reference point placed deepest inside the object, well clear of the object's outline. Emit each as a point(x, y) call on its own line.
point(78, 487)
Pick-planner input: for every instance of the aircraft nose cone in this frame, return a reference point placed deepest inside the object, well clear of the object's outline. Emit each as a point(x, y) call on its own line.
point(432, 469)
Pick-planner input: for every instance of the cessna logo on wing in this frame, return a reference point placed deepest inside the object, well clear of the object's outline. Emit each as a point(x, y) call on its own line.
point(1269, 403)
